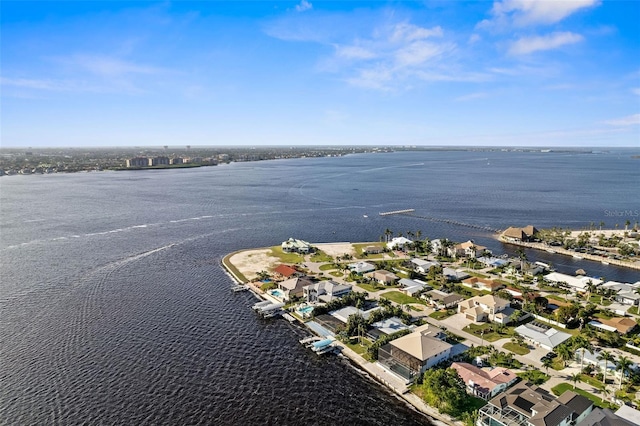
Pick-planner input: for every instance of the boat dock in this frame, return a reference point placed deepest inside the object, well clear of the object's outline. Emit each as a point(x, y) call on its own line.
point(397, 212)
point(238, 288)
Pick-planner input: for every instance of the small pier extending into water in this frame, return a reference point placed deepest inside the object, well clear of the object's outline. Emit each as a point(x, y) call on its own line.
point(397, 212)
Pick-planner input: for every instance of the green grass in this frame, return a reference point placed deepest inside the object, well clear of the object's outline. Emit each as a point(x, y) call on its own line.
point(442, 314)
point(336, 274)
point(327, 267)
point(590, 380)
point(633, 310)
point(372, 287)
point(563, 387)
point(476, 274)
point(360, 247)
point(276, 251)
point(231, 267)
point(558, 298)
point(320, 256)
point(489, 336)
point(516, 348)
point(401, 298)
point(536, 377)
point(557, 365)
point(357, 348)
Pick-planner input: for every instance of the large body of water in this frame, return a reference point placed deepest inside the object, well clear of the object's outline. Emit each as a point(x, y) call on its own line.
point(114, 308)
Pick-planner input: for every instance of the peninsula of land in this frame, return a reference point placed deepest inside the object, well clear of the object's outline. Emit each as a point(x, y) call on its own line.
point(456, 330)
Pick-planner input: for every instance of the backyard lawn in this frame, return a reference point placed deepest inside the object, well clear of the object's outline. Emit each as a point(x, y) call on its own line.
point(516, 348)
point(490, 335)
point(563, 387)
point(401, 298)
point(445, 313)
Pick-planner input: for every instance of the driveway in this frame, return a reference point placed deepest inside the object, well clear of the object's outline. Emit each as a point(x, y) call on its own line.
point(456, 322)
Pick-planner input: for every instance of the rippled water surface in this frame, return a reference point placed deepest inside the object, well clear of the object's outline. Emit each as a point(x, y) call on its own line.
point(114, 308)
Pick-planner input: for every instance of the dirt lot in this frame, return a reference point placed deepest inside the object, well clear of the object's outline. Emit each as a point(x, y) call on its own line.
point(250, 262)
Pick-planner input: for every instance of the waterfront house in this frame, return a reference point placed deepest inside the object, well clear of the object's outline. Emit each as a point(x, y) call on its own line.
point(325, 291)
point(574, 283)
point(467, 249)
point(390, 325)
point(542, 335)
point(441, 300)
point(422, 266)
point(409, 356)
point(383, 277)
point(520, 234)
point(294, 286)
point(293, 245)
point(398, 243)
point(485, 383)
point(606, 417)
point(484, 308)
point(283, 271)
point(525, 404)
point(492, 262)
point(625, 293)
point(361, 267)
point(372, 250)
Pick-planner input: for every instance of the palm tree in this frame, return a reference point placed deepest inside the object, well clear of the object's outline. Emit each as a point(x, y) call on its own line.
point(387, 233)
point(565, 353)
point(623, 365)
point(574, 378)
point(548, 362)
point(523, 258)
point(579, 342)
point(606, 357)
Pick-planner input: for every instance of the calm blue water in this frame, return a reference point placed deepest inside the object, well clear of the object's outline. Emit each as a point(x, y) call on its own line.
point(114, 308)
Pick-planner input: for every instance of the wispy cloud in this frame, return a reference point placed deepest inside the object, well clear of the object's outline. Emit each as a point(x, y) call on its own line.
point(110, 66)
point(520, 13)
point(304, 5)
point(471, 97)
point(629, 120)
point(636, 91)
point(526, 45)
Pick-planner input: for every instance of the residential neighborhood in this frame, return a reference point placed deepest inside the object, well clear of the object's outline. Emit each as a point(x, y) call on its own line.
point(526, 345)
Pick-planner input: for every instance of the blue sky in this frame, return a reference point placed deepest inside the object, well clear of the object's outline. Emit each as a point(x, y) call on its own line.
point(508, 72)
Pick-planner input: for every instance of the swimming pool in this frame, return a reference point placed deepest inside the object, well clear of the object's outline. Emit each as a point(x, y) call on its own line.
point(305, 310)
point(276, 293)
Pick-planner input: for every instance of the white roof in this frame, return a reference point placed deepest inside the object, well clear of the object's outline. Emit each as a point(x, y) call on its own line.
point(361, 267)
point(344, 313)
point(398, 241)
point(390, 325)
point(602, 326)
point(575, 282)
point(629, 414)
point(549, 338)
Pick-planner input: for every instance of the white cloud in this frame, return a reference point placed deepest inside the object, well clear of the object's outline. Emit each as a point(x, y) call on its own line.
point(304, 5)
point(354, 52)
point(408, 32)
point(533, 12)
point(420, 52)
point(629, 120)
point(636, 91)
point(474, 38)
point(526, 45)
point(108, 66)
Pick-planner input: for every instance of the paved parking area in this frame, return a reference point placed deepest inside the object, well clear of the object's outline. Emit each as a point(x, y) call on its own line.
point(456, 322)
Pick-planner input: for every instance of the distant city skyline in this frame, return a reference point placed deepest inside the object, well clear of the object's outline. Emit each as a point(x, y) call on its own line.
point(503, 73)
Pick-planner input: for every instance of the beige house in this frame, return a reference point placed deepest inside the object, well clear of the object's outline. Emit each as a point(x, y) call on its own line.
point(466, 249)
point(410, 355)
point(294, 286)
point(484, 308)
point(383, 277)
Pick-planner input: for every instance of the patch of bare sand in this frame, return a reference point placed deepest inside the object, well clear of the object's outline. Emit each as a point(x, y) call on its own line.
point(251, 262)
point(336, 249)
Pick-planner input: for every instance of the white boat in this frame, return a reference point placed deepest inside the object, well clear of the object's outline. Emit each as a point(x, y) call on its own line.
point(550, 251)
point(577, 257)
point(364, 215)
point(604, 263)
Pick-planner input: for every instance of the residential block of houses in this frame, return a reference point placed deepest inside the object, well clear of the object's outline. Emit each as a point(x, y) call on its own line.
point(325, 291)
point(467, 249)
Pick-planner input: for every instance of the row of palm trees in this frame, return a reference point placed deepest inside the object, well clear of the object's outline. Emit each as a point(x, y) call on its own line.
point(580, 343)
